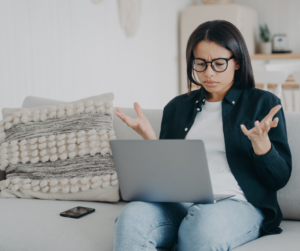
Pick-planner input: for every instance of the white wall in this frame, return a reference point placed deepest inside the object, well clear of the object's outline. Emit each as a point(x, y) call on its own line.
point(72, 49)
point(281, 16)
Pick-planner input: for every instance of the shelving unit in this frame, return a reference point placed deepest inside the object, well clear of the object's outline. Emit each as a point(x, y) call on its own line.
point(288, 57)
point(290, 82)
point(275, 56)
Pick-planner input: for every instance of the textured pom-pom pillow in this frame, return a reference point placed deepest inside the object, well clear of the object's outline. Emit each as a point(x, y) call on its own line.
point(60, 152)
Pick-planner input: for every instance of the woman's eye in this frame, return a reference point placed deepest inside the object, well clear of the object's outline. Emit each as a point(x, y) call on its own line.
point(219, 64)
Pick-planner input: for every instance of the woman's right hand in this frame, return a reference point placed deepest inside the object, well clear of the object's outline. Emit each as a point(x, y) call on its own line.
point(141, 124)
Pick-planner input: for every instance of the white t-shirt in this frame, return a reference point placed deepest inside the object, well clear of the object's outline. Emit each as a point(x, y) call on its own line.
point(208, 126)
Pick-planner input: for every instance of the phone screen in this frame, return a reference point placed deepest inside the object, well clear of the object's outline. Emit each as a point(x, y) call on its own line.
point(77, 212)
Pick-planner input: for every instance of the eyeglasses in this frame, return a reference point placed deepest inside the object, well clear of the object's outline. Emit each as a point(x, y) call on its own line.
point(218, 64)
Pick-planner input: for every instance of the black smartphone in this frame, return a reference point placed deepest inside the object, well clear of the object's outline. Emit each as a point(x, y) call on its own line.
point(77, 212)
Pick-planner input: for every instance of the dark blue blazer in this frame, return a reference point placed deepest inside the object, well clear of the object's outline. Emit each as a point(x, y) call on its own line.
point(260, 177)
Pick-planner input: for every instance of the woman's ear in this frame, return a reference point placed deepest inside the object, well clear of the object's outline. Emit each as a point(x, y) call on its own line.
point(237, 65)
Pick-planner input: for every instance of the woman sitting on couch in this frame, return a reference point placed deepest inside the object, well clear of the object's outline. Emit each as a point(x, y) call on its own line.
point(248, 153)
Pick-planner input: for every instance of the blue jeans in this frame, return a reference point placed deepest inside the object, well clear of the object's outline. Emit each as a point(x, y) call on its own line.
point(224, 225)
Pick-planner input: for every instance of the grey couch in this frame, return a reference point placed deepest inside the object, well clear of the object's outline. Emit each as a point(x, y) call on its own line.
point(34, 225)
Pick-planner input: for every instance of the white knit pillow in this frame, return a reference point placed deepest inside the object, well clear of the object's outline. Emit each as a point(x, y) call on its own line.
point(60, 152)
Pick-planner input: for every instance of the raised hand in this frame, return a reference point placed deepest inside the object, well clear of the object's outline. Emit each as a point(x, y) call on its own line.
point(259, 133)
point(141, 124)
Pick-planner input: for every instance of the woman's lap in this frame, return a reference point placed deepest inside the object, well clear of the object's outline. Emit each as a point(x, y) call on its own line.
point(146, 225)
point(223, 226)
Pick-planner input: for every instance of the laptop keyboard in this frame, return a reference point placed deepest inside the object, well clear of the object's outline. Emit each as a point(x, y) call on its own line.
point(220, 196)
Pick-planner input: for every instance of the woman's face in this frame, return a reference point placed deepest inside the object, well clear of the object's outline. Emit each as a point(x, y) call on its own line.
point(223, 80)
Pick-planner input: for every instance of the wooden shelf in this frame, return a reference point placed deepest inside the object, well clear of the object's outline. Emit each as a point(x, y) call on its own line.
point(284, 86)
point(270, 86)
point(276, 56)
point(289, 84)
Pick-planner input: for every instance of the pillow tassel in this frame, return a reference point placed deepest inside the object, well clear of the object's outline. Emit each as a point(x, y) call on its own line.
point(85, 187)
point(36, 188)
point(54, 189)
point(15, 188)
point(114, 182)
point(4, 164)
point(35, 183)
point(45, 189)
point(105, 184)
point(26, 186)
point(74, 189)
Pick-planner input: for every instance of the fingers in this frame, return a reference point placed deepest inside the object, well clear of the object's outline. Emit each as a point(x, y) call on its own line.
point(126, 119)
point(258, 127)
point(121, 117)
point(119, 114)
point(244, 130)
point(274, 123)
point(267, 126)
point(273, 111)
point(138, 109)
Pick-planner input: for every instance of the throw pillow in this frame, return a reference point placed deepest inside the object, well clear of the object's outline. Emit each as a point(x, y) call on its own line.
point(60, 152)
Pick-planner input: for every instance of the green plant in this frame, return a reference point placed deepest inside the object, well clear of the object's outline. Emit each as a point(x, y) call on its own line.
point(264, 33)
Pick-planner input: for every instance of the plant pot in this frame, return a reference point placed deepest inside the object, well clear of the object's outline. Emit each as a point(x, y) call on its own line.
point(265, 47)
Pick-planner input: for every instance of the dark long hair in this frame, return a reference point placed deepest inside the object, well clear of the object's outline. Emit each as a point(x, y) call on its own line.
point(228, 36)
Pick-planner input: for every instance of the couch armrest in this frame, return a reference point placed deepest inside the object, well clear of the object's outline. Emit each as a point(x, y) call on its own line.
point(2, 174)
point(2, 138)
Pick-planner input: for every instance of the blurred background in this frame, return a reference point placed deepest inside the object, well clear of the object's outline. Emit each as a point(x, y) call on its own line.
point(72, 49)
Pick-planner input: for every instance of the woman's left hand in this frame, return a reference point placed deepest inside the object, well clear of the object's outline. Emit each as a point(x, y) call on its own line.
point(259, 134)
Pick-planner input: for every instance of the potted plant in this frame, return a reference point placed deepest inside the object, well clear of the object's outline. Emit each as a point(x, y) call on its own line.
point(265, 44)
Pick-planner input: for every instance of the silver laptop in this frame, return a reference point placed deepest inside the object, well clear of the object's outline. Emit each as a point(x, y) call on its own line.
point(163, 171)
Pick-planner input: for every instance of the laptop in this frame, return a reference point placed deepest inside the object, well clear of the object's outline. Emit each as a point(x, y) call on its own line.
point(163, 171)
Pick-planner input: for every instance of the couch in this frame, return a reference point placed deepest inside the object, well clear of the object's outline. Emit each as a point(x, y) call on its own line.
point(34, 224)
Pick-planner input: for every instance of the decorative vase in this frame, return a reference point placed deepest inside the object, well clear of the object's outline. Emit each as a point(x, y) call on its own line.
point(265, 47)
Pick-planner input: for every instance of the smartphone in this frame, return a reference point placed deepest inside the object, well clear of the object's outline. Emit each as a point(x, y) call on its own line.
point(77, 212)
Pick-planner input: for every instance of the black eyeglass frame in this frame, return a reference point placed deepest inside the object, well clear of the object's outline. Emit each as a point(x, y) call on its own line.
point(226, 59)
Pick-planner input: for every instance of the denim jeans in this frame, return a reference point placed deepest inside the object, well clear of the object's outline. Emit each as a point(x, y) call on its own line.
point(224, 225)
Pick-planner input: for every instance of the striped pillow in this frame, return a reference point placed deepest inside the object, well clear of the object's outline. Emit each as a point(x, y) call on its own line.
point(60, 152)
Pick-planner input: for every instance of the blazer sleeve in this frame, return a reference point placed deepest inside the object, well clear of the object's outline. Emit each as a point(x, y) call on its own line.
point(166, 128)
point(274, 168)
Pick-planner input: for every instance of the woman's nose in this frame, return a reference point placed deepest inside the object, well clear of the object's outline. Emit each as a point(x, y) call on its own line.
point(209, 71)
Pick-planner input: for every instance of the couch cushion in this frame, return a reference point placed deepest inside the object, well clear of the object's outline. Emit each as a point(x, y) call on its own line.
point(287, 240)
point(33, 225)
point(288, 196)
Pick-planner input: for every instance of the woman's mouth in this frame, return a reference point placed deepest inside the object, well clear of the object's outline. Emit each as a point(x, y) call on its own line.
point(210, 83)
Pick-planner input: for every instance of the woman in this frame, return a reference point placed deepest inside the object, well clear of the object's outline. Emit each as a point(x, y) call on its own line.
point(247, 149)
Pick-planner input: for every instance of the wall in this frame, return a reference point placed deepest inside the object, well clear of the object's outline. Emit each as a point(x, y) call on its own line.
point(72, 49)
point(281, 16)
